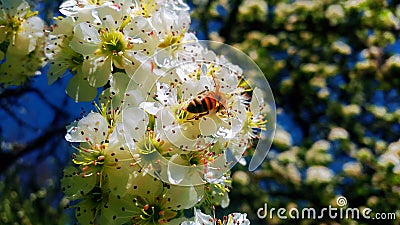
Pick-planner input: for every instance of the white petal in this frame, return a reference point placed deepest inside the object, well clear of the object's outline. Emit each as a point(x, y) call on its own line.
point(225, 201)
point(150, 107)
point(88, 214)
point(138, 23)
point(16, 7)
point(208, 126)
point(68, 8)
point(116, 92)
point(23, 45)
point(240, 218)
point(113, 212)
point(108, 16)
point(79, 89)
point(98, 70)
point(176, 172)
point(166, 95)
point(179, 5)
point(184, 197)
point(91, 128)
point(74, 183)
point(239, 109)
point(170, 131)
point(217, 169)
point(192, 87)
point(179, 172)
point(145, 77)
point(201, 218)
point(135, 98)
point(56, 70)
point(86, 39)
point(118, 82)
point(237, 146)
point(165, 58)
point(118, 169)
point(257, 101)
point(134, 123)
point(145, 185)
point(64, 26)
point(35, 26)
point(189, 223)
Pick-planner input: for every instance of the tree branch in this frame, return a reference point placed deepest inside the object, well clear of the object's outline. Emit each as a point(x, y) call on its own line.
point(20, 150)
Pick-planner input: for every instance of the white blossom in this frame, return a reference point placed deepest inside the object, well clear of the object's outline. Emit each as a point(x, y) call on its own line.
point(22, 38)
point(319, 174)
point(204, 219)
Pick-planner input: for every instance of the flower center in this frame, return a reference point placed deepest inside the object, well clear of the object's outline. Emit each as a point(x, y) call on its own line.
point(112, 42)
point(15, 23)
point(90, 159)
point(171, 39)
point(95, 2)
point(147, 8)
point(151, 213)
point(76, 60)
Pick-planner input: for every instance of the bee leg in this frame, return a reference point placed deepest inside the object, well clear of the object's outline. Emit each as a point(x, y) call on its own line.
point(203, 114)
point(195, 117)
point(198, 116)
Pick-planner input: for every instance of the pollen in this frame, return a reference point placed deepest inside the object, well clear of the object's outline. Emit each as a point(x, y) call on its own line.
point(113, 43)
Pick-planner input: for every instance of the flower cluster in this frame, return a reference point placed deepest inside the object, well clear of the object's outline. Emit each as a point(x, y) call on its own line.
point(110, 184)
point(21, 42)
point(98, 39)
point(200, 112)
point(174, 118)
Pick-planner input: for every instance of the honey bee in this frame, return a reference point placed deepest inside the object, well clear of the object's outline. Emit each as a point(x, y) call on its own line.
point(206, 102)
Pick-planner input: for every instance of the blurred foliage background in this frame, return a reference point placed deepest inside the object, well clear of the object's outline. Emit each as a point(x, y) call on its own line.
point(334, 69)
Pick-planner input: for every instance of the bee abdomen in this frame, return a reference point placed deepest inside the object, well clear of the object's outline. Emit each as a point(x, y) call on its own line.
point(201, 104)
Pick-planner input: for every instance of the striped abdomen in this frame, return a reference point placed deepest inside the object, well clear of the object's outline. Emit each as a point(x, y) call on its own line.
point(202, 103)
